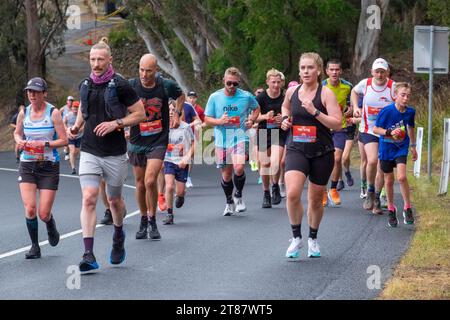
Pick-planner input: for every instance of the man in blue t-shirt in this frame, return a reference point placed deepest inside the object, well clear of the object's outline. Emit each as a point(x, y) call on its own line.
point(395, 125)
point(231, 111)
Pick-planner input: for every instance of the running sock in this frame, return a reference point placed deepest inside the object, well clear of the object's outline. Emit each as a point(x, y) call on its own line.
point(313, 233)
point(267, 193)
point(334, 184)
point(364, 183)
point(371, 188)
point(144, 220)
point(117, 232)
point(296, 230)
point(228, 189)
point(51, 223)
point(377, 195)
point(32, 226)
point(170, 211)
point(152, 220)
point(88, 244)
point(239, 182)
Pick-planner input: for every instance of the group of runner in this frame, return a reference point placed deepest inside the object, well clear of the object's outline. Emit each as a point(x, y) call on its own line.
point(304, 132)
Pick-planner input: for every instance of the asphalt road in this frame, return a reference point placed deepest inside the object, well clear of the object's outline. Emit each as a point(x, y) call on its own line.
point(203, 255)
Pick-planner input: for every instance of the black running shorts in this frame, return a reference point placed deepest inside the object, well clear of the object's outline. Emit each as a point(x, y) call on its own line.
point(317, 169)
point(44, 174)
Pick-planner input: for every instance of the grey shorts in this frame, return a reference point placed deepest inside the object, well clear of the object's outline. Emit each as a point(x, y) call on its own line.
point(113, 169)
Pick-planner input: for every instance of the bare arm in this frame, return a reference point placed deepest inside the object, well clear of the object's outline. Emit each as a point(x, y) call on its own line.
point(412, 138)
point(179, 102)
point(354, 102)
point(60, 131)
point(286, 109)
point(212, 122)
point(18, 132)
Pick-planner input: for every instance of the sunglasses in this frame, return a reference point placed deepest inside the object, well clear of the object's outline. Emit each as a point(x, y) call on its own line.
point(231, 83)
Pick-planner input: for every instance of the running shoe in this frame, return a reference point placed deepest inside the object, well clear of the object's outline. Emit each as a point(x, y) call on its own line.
point(179, 201)
point(74, 171)
point(408, 217)
point(142, 232)
point(107, 219)
point(118, 250)
point(392, 218)
point(334, 198)
point(369, 201)
point(52, 232)
point(66, 157)
point(383, 199)
point(282, 190)
point(259, 180)
point(340, 185)
point(313, 248)
point(162, 202)
point(88, 263)
point(348, 176)
point(229, 209)
point(34, 252)
point(240, 205)
point(294, 248)
point(325, 198)
point(153, 233)
point(276, 196)
point(189, 183)
point(254, 165)
point(267, 200)
point(377, 207)
point(168, 219)
point(363, 193)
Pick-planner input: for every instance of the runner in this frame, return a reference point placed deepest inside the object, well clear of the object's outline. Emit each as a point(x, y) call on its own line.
point(309, 111)
point(342, 89)
point(108, 103)
point(271, 139)
point(395, 125)
point(177, 161)
point(74, 145)
point(64, 110)
point(231, 111)
point(39, 132)
point(378, 92)
point(191, 117)
point(149, 139)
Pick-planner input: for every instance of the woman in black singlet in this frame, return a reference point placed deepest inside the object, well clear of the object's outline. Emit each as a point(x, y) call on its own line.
point(309, 112)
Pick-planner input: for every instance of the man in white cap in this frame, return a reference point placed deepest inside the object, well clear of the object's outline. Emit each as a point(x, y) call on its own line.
point(65, 110)
point(377, 92)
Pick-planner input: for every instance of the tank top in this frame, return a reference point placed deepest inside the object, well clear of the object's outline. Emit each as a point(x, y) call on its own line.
point(39, 130)
point(71, 119)
point(374, 100)
point(308, 135)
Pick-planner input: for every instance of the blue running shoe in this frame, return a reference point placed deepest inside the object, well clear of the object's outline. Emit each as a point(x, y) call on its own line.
point(88, 264)
point(118, 250)
point(293, 251)
point(260, 180)
point(340, 185)
point(348, 176)
point(313, 248)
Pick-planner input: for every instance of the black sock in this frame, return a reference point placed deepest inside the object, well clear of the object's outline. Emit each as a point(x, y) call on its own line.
point(51, 223)
point(32, 226)
point(170, 211)
point(313, 233)
point(377, 195)
point(144, 220)
point(117, 232)
point(152, 220)
point(239, 182)
point(228, 189)
point(88, 244)
point(296, 230)
point(267, 193)
point(334, 184)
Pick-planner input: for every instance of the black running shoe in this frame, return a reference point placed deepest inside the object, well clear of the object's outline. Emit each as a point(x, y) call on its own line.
point(267, 201)
point(107, 219)
point(179, 201)
point(53, 234)
point(34, 253)
point(118, 250)
point(408, 217)
point(74, 171)
point(168, 219)
point(153, 233)
point(142, 232)
point(392, 220)
point(276, 196)
point(88, 263)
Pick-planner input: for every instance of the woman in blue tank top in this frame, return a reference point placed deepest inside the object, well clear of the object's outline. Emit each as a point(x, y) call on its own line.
point(39, 132)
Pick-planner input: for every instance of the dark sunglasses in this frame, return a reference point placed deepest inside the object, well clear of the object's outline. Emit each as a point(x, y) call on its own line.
point(231, 83)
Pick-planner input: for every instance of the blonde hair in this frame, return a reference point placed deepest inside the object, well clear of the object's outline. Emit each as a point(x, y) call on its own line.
point(275, 73)
point(102, 46)
point(104, 40)
point(317, 60)
point(233, 71)
point(399, 85)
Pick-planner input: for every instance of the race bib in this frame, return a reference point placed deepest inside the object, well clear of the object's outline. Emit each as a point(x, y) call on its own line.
point(305, 134)
point(34, 153)
point(150, 128)
point(372, 112)
point(272, 124)
point(233, 122)
point(175, 150)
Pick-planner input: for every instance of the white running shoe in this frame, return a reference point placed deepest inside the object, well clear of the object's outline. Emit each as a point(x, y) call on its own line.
point(240, 205)
point(313, 248)
point(294, 248)
point(66, 157)
point(282, 190)
point(229, 209)
point(189, 183)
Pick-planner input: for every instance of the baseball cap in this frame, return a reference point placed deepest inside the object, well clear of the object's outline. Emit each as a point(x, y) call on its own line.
point(70, 98)
point(380, 63)
point(75, 104)
point(192, 94)
point(36, 84)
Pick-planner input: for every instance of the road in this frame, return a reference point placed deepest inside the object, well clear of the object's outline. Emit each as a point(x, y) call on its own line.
point(203, 255)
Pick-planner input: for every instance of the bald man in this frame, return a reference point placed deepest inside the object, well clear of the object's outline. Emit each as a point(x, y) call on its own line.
point(149, 139)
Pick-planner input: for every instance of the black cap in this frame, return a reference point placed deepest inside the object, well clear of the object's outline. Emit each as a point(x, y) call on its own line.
point(36, 84)
point(192, 94)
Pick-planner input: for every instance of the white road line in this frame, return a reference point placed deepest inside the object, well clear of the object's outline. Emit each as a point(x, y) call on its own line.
point(64, 236)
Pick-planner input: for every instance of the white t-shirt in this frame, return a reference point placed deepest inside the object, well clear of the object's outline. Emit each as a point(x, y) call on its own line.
point(180, 141)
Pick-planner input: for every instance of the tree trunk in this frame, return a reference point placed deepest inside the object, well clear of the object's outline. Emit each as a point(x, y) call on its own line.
point(34, 57)
point(368, 36)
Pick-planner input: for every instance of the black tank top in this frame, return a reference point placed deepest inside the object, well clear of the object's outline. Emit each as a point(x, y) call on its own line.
point(308, 135)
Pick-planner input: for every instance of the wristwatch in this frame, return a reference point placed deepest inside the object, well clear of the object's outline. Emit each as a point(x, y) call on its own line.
point(316, 114)
point(47, 144)
point(120, 123)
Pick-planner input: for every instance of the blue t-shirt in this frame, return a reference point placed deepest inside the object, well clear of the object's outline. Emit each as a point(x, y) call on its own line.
point(238, 108)
point(390, 118)
point(189, 112)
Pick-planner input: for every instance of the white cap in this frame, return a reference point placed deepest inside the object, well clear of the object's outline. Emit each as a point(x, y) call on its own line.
point(70, 98)
point(380, 63)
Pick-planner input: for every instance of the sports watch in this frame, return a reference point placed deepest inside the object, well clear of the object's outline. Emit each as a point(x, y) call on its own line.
point(316, 113)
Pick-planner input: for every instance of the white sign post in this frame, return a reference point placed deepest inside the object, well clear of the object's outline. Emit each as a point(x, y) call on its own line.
point(419, 140)
point(443, 185)
point(430, 56)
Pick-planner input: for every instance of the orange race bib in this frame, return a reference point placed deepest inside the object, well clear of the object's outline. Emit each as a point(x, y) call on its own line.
point(304, 134)
point(234, 122)
point(150, 128)
point(372, 112)
point(34, 153)
point(175, 150)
